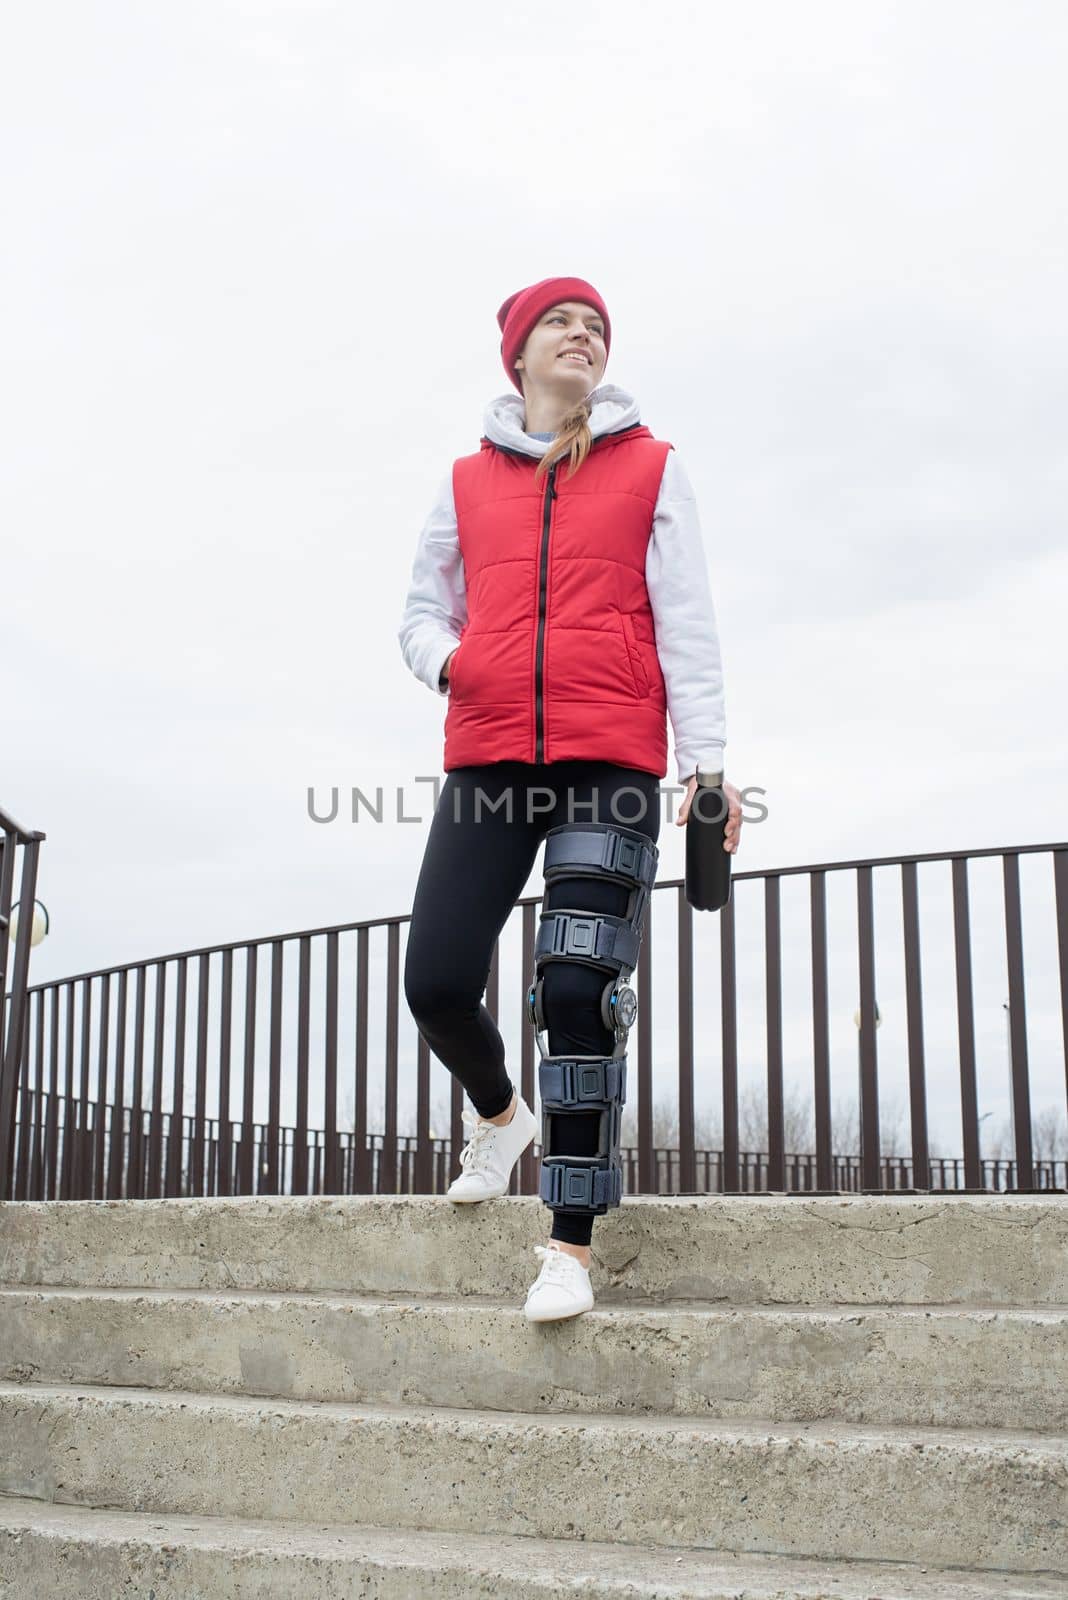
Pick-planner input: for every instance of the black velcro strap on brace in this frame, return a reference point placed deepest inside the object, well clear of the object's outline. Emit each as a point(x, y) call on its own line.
point(597, 937)
point(571, 1188)
point(570, 1081)
point(594, 849)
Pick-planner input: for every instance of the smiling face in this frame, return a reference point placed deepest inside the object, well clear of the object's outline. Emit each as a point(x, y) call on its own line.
point(564, 354)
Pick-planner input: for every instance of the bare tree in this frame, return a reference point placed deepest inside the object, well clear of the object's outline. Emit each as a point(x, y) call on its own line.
point(1049, 1129)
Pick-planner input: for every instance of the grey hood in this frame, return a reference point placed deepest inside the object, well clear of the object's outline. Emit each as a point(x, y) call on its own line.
point(612, 409)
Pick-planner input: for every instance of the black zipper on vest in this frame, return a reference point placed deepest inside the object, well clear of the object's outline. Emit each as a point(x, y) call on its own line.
point(543, 573)
point(543, 570)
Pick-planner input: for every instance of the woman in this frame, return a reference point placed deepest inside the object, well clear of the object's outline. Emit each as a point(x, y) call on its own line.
point(560, 598)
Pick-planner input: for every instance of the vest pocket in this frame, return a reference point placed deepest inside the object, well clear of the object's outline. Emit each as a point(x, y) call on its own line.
point(457, 658)
point(452, 669)
point(634, 656)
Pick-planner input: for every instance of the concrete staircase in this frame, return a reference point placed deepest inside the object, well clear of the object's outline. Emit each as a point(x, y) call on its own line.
point(320, 1398)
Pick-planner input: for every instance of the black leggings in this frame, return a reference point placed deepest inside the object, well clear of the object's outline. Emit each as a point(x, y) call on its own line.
point(476, 864)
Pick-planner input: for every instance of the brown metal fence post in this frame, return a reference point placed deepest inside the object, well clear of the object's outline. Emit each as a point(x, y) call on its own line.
point(13, 991)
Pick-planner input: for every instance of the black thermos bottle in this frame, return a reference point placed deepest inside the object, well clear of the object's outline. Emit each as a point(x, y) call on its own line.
point(708, 865)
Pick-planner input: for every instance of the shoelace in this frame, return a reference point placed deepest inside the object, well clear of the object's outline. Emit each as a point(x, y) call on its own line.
point(554, 1265)
point(474, 1153)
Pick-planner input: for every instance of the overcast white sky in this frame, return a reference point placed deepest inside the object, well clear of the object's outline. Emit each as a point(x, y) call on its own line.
point(252, 258)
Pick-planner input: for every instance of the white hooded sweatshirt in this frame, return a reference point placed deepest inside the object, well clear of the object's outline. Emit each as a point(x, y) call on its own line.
point(676, 576)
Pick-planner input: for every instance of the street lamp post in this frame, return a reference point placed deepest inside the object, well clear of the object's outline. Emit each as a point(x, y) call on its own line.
point(979, 1143)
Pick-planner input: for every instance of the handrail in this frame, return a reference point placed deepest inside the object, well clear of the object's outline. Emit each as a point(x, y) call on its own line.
point(279, 1040)
point(260, 941)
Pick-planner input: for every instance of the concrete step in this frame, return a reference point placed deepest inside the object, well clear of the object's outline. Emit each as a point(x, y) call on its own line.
point(82, 1553)
point(933, 1366)
point(1009, 1250)
point(818, 1490)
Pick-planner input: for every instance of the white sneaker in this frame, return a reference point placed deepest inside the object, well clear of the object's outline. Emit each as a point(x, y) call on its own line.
point(562, 1287)
point(490, 1154)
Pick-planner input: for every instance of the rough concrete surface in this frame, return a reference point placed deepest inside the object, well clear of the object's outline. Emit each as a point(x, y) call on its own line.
point(774, 1396)
point(740, 1250)
point(941, 1365)
point(70, 1553)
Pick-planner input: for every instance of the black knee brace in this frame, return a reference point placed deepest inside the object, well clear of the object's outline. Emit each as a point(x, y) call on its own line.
point(590, 1083)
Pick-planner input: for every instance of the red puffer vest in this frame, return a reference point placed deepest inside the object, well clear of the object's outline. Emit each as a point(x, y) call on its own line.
point(558, 660)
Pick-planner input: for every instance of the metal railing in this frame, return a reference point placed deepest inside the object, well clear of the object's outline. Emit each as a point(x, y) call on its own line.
point(124, 1037)
point(103, 1158)
point(14, 973)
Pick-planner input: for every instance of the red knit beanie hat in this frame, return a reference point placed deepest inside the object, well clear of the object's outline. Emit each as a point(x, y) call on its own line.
point(521, 311)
